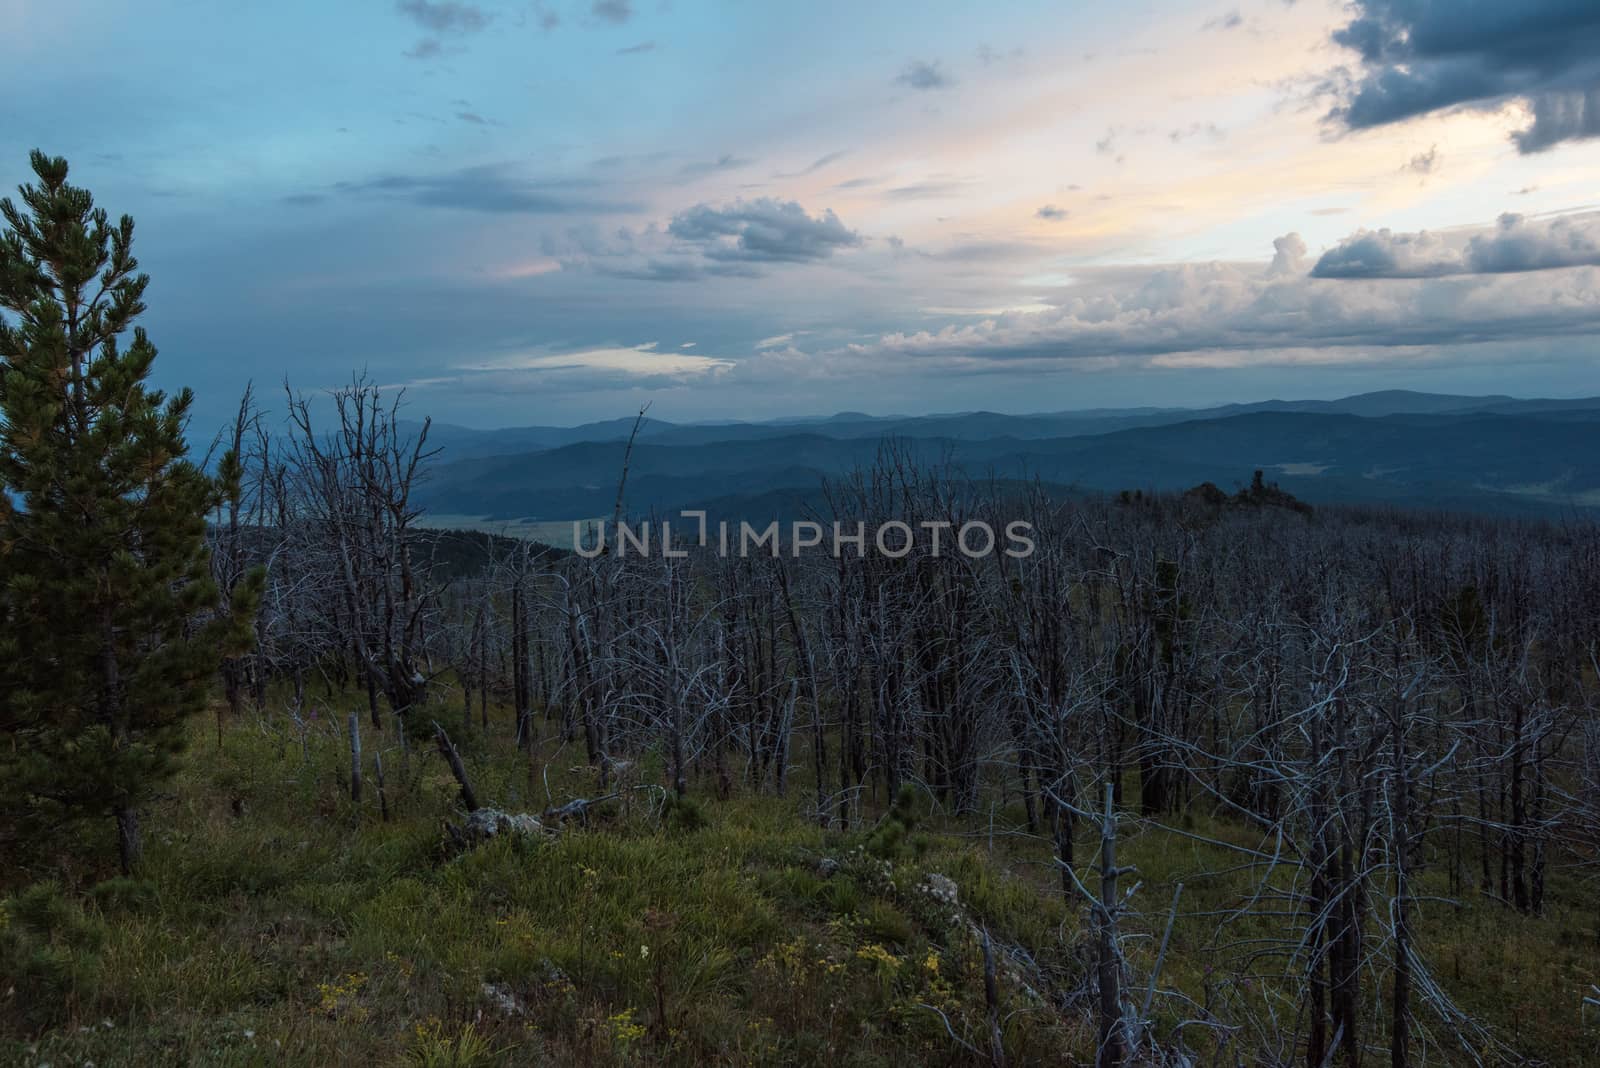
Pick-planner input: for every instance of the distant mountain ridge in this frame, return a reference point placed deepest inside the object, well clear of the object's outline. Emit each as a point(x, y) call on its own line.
point(1485, 453)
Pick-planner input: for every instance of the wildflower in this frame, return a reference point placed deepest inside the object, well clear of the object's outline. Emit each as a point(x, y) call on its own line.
point(623, 1028)
point(872, 951)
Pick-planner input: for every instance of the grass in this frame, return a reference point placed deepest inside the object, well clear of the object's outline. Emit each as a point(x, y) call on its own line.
point(275, 922)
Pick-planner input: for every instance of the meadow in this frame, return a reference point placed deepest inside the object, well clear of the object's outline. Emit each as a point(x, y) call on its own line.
point(277, 922)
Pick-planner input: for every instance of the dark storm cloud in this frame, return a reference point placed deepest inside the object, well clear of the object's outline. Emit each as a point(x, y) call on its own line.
point(1423, 56)
point(491, 188)
point(1386, 254)
point(921, 74)
point(762, 230)
point(1515, 245)
point(1561, 116)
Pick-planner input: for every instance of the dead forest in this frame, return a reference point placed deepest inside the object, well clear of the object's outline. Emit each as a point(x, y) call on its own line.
point(1395, 712)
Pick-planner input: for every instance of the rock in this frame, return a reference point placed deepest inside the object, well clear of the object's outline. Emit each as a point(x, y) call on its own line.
point(504, 1001)
point(942, 888)
point(491, 822)
point(827, 867)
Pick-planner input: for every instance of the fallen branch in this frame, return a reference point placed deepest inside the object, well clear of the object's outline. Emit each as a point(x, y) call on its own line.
point(577, 809)
point(453, 758)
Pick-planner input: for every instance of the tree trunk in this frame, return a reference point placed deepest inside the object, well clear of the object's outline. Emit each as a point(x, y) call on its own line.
point(1112, 1051)
point(355, 758)
point(130, 840)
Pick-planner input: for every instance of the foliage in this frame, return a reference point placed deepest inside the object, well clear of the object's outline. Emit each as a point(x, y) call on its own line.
point(107, 642)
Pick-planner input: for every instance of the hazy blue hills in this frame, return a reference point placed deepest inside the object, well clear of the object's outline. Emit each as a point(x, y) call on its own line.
point(459, 442)
point(1491, 454)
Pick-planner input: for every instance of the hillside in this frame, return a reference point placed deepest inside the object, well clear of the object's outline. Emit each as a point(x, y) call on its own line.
point(280, 923)
point(1485, 454)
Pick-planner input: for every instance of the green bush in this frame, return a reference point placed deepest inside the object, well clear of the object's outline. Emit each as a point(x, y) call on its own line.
point(49, 952)
point(124, 895)
point(683, 813)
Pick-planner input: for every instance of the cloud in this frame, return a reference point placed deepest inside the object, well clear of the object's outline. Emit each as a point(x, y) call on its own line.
point(613, 11)
point(657, 270)
point(814, 167)
point(1515, 245)
point(1209, 130)
point(441, 19)
point(1051, 212)
point(990, 56)
point(448, 17)
point(1233, 314)
point(928, 189)
point(676, 269)
point(1288, 256)
point(637, 367)
point(492, 188)
point(1424, 162)
point(1519, 245)
point(1386, 254)
point(1232, 20)
point(472, 117)
point(638, 49)
point(1418, 57)
point(924, 75)
point(1572, 115)
point(724, 162)
point(762, 230)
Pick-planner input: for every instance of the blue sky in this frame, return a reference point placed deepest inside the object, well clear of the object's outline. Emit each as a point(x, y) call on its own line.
point(553, 212)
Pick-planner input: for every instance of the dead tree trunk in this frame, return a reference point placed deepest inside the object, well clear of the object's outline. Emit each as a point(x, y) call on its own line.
point(453, 758)
point(1112, 1046)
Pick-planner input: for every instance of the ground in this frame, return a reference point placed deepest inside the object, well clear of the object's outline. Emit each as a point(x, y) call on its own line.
point(275, 921)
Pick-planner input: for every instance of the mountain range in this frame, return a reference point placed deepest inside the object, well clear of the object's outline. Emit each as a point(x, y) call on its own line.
point(1494, 454)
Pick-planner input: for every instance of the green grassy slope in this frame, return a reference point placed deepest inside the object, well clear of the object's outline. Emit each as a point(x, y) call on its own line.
point(277, 922)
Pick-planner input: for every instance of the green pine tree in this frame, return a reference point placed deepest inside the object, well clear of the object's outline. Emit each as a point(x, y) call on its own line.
point(109, 634)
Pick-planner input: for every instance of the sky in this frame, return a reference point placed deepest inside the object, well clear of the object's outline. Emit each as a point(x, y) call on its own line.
point(556, 211)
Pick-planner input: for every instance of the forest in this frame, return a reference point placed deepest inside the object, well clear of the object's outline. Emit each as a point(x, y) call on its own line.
point(1368, 720)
